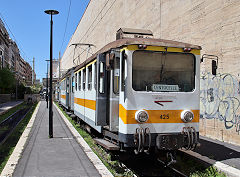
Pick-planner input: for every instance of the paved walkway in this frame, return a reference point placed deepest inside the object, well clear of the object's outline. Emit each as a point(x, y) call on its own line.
point(220, 151)
point(59, 156)
point(4, 107)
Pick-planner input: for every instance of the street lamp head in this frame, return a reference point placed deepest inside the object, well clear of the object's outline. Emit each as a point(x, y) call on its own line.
point(51, 12)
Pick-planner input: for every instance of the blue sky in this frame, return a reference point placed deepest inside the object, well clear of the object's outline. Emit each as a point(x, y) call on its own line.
point(30, 27)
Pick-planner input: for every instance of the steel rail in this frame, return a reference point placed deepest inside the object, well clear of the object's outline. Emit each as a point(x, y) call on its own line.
point(11, 122)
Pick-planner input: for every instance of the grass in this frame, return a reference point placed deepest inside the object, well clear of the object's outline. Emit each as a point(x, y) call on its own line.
point(7, 148)
point(115, 167)
point(209, 172)
point(10, 112)
point(194, 168)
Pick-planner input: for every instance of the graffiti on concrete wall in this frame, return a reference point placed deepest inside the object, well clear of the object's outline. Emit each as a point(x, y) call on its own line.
point(220, 99)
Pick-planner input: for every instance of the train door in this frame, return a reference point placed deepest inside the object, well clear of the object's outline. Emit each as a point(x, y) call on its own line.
point(113, 65)
point(68, 91)
point(58, 90)
point(84, 92)
point(72, 92)
point(102, 92)
point(107, 105)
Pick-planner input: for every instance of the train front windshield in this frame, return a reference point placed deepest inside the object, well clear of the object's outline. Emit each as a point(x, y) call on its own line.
point(163, 72)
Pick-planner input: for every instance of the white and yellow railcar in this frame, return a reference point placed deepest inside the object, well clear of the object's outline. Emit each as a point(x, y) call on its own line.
point(159, 96)
point(141, 93)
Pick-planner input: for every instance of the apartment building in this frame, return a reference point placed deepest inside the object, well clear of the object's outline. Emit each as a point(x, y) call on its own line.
point(10, 57)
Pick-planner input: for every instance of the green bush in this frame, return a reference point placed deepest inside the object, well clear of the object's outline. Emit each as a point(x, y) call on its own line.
point(8, 84)
point(7, 81)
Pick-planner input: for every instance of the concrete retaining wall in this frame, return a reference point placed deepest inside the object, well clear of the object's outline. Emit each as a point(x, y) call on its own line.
point(220, 107)
point(214, 25)
point(33, 97)
point(5, 98)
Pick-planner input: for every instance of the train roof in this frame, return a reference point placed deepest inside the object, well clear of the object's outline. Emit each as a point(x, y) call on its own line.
point(135, 41)
point(68, 72)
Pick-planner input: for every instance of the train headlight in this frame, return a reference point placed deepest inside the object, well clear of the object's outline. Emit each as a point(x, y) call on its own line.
point(141, 116)
point(187, 116)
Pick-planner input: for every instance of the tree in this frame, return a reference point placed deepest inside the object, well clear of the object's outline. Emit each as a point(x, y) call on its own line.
point(7, 81)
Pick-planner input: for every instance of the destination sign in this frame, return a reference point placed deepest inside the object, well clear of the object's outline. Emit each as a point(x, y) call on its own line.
point(165, 88)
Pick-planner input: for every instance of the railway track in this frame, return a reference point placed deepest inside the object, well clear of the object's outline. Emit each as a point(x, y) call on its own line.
point(149, 165)
point(176, 172)
point(8, 125)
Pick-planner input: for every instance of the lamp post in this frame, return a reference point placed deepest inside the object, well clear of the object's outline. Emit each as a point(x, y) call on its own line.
point(51, 12)
point(47, 83)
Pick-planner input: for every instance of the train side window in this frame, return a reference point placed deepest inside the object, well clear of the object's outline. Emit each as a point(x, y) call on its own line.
point(123, 72)
point(101, 78)
point(95, 77)
point(76, 81)
point(79, 80)
point(116, 74)
point(84, 78)
point(90, 77)
point(73, 84)
point(67, 85)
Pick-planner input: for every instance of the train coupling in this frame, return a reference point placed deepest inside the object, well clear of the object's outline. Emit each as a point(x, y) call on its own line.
point(191, 138)
point(142, 140)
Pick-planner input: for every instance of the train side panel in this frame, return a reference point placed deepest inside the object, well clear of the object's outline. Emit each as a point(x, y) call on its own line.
point(63, 93)
point(85, 95)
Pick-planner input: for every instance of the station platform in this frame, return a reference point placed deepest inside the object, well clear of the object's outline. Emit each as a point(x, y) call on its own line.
point(61, 155)
point(219, 151)
point(4, 107)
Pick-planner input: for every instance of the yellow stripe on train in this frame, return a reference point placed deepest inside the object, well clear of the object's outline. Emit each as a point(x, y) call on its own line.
point(156, 116)
point(63, 97)
point(91, 104)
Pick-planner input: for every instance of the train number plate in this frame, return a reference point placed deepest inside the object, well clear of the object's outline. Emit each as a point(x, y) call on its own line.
point(164, 116)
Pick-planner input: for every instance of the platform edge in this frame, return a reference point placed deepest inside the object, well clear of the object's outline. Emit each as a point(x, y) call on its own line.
point(101, 168)
point(12, 162)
